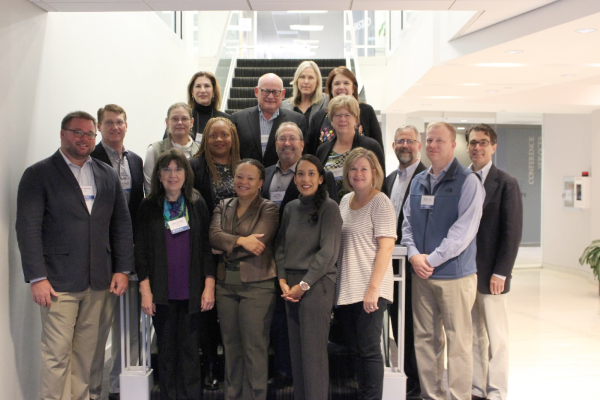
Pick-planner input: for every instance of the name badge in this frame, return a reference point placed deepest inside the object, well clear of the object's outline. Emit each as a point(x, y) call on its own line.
point(427, 202)
point(277, 197)
point(178, 225)
point(338, 173)
point(88, 193)
point(198, 137)
point(126, 183)
point(264, 139)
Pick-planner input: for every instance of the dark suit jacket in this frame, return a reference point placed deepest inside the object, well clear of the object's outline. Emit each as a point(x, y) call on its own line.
point(203, 181)
point(58, 237)
point(359, 141)
point(136, 169)
point(389, 185)
point(292, 192)
point(261, 216)
point(248, 128)
point(151, 251)
point(288, 105)
point(500, 229)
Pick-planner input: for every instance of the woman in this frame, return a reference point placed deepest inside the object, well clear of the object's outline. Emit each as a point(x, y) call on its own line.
point(176, 270)
point(341, 81)
point(345, 114)
point(307, 248)
point(213, 168)
point(365, 281)
point(307, 95)
point(204, 98)
point(243, 229)
point(179, 122)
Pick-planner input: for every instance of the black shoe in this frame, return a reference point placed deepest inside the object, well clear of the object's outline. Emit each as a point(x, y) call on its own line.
point(210, 380)
point(114, 396)
point(280, 380)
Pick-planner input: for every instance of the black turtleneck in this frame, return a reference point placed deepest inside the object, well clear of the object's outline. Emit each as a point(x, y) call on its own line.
point(201, 116)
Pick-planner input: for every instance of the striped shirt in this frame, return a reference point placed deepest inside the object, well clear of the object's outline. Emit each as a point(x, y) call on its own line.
point(356, 260)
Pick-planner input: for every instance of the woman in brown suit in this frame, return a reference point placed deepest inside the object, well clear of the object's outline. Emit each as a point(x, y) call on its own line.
point(242, 230)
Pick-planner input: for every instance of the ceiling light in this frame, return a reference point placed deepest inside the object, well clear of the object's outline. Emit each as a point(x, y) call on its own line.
point(499, 65)
point(460, 128)
point(306, 27)
point(463, 120)
point(514, 51)
point(307, 11)
point(586, 30)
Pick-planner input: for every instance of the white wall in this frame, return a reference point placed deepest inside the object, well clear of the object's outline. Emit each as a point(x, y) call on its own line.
point(570, 146)
point(52, 64)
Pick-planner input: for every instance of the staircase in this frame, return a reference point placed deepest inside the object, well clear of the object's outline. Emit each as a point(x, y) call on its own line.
point(247, 72)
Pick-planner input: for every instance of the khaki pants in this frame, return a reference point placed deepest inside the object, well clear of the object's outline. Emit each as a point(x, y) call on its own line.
point(490, 346)
point(444, 305)
point(69, 336)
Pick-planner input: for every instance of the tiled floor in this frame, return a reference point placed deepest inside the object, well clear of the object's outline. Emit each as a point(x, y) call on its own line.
point(554, 336)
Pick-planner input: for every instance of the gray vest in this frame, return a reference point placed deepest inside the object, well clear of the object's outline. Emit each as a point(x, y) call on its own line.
point(431, 226)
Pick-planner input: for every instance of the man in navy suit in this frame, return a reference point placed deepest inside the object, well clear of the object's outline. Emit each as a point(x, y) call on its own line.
point(75, 237)
point(407, 146)
point(256, 126)
point(112, 124)
point(498, 241)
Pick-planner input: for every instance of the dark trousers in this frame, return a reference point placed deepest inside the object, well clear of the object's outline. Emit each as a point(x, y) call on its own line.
point(245, 314)
point(363, 331)
point(279, 336)
point(308, 327)
point(410, 358)
point(177, 334)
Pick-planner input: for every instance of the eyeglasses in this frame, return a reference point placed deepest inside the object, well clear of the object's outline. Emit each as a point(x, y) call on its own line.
point(168, 171)
point(482, 143)
point(340, 116)
point(110, 123)
point(409, 142)
point(283, 139)
point(267, 92)
point(80, 134)
point(176, 120)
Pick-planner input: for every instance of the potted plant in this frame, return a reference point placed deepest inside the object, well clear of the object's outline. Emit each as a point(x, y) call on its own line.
point(591, 256)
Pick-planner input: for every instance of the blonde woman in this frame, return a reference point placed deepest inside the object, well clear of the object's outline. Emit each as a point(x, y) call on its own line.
point(307, 95)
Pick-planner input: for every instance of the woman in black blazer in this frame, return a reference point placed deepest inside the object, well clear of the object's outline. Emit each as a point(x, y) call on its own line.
point(176, 269)
point(213, 167)
point(341, 81)
point(204, 97)
point(345, 114)
point(307, 95)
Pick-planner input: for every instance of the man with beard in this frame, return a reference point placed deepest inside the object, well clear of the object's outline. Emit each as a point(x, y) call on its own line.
point(407, 146)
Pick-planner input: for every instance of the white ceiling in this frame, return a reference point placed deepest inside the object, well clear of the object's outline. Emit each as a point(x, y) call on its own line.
point(560, 69)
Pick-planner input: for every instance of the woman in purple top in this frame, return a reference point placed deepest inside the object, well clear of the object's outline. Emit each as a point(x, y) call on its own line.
point(176, 270)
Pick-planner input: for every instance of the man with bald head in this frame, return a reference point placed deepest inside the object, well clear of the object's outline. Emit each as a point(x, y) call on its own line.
point(257, 125)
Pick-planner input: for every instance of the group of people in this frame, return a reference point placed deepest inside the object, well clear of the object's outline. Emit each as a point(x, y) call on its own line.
point(254, 227)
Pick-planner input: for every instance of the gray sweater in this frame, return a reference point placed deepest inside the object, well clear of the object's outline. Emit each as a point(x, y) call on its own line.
point(305, 245)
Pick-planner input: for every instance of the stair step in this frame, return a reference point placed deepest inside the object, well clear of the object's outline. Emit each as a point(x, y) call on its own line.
point(263, 62)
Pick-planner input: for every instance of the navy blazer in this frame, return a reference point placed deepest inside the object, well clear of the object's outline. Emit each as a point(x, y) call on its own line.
point(292, 192)
point(389, 185)
point(136, 169)
point(248, 128)
point(500, 229)
point(60, 239)
point(359, 141)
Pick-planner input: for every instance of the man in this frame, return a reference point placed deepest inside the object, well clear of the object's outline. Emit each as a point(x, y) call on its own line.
point(76, 243)
point(112, 124)
point(407, 146)
point(498, 242)
point(280, 188)
point(257, 125)
point(441, 218)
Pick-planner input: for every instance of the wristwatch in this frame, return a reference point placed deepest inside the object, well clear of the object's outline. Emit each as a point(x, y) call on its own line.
point(304, 286)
